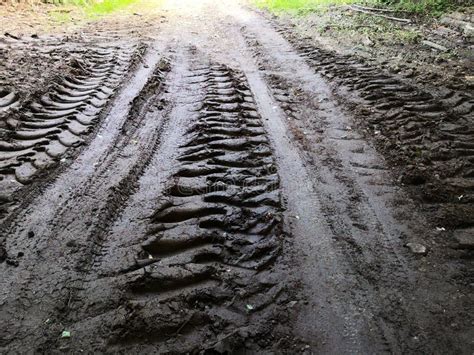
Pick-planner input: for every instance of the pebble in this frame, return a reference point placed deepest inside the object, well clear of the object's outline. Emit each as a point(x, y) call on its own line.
point(416, 248)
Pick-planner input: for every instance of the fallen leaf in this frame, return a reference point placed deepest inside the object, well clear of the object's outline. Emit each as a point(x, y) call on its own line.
point(66, 334)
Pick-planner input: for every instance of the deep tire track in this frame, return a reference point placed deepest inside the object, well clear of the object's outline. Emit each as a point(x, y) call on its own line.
point(429, 135)
point(362, 228)
point(121, 170)
point(8, 100)
point(56, 121)
point(218, 223)
point(227, 180)
point(167, 233)
point(211, 242)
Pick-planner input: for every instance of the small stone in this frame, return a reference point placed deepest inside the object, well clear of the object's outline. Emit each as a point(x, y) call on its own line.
point(367, 41)
point(416, 248)
point(31, 234)
point(409, 73)
point(468, 30)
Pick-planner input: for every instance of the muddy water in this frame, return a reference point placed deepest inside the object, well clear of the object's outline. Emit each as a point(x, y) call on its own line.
point(224, 203)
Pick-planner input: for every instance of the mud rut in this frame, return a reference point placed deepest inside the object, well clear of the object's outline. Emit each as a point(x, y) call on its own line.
point(204, 215)
point(57, 120)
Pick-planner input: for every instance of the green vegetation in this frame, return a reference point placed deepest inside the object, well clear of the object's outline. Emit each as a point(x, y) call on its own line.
point(427, 7)
point(299, 5)
point(107, 6)
point(365, 28)
point(91, 8)
point(433, 7)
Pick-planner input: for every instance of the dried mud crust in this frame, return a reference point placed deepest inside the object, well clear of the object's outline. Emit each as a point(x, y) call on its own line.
point(53, 93)
point(427, 135)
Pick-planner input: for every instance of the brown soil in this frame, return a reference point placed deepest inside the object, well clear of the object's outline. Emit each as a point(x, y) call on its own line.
point(399, 48)
point(420, 120)
point(207, 181)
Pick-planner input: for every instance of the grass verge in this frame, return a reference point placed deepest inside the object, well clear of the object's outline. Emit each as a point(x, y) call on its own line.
point(426, 7)
point(299, 5)
point(416, 7)
point(107, 6)
point(67, 10)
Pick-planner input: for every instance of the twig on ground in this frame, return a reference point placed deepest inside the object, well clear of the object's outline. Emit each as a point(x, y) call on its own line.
point(404, 20)
point(377, 9)
point(12, 36)
point(367, 26)
point(434, 45)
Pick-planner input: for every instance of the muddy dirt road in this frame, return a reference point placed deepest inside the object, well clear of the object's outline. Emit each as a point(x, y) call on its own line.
point(209, 191)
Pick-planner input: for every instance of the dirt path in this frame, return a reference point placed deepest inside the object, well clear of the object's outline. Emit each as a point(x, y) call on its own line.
point(223, 201)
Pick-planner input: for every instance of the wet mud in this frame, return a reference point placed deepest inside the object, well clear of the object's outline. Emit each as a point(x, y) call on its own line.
point(426, 134)
point(228, 190)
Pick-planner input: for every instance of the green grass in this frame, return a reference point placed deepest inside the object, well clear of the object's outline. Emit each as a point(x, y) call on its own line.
point(299, 5)
point(422, 7)
point(427, 7)
point(107, 6)
point(92, 8)
point(69, 12)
